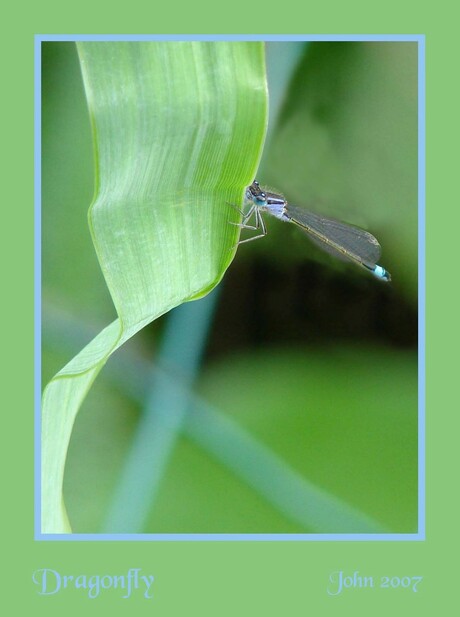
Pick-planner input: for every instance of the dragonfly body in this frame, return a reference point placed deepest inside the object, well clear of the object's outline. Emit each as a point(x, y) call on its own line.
point(335, 237)
point(266, 201)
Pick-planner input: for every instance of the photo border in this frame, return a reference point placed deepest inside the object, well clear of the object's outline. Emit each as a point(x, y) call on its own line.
point(200, 537)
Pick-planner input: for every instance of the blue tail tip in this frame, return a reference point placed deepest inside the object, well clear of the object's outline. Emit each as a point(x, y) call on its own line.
point(382, 274)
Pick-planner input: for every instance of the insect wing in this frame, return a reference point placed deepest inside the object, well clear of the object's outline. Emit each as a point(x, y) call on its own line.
point(339, 239)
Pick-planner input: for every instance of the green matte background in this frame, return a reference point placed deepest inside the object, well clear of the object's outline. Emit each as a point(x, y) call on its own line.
point(226, 578)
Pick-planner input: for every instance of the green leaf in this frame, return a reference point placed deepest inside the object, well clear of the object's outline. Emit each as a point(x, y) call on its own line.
point(178, 133)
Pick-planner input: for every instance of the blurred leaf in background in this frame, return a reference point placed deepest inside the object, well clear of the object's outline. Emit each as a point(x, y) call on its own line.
point(311, 368)
point(346, 144)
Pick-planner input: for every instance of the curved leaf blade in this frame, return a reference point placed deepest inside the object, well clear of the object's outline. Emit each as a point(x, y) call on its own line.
point(178, 131)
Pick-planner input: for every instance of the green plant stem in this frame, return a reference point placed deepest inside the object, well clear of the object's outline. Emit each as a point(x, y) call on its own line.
point(162, 416)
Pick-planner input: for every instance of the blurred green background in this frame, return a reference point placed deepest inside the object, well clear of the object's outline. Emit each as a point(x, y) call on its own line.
point(309, 375)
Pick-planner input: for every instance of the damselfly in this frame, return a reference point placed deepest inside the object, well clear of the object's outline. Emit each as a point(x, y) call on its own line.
point(339, 239)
